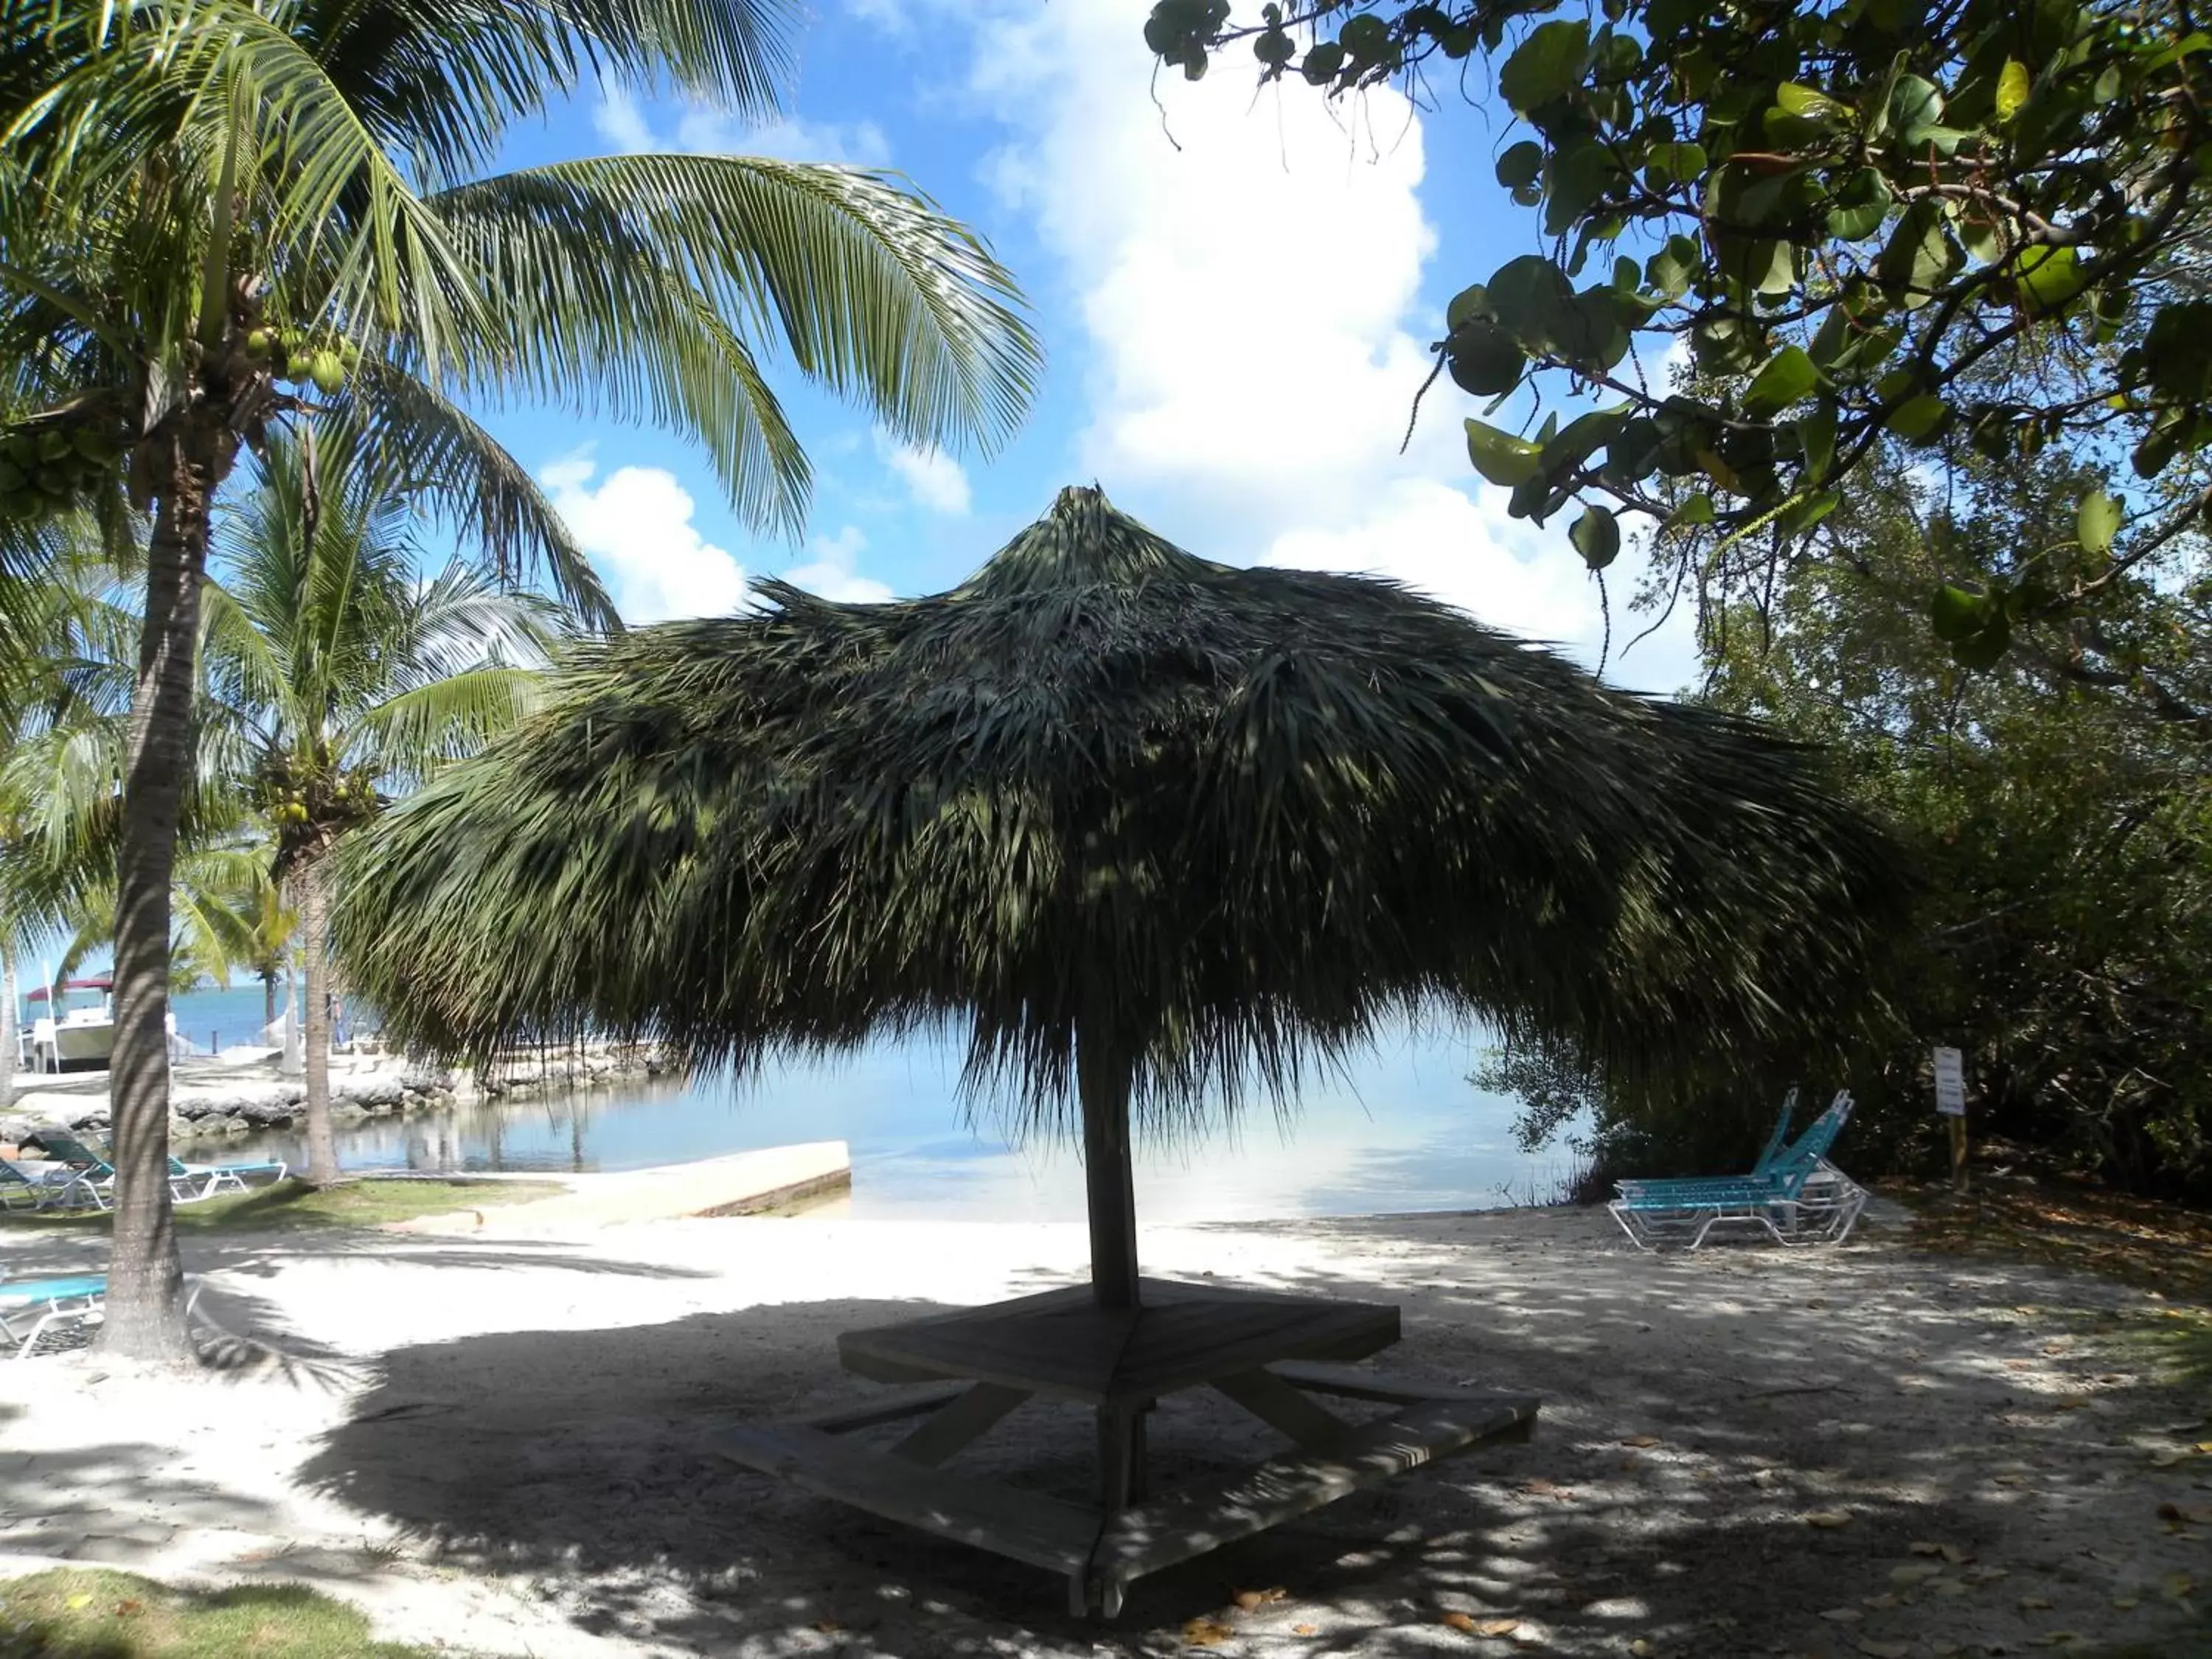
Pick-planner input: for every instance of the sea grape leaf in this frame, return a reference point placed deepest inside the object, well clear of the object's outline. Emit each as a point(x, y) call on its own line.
point(1787, 376)
point(2096, 522)
point(1596, 537)
point(1546, 65)
point(1502, 458)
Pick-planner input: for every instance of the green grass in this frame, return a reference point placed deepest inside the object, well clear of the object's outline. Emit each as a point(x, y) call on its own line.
point(79, 1614)
point(295, 1206)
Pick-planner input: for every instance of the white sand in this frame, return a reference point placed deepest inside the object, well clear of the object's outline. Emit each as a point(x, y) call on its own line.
point(498, 1443)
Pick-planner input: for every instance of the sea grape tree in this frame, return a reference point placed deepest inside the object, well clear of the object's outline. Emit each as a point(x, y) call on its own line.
point(1939, 224)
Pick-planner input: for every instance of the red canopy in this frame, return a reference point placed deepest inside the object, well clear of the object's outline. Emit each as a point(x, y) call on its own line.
point(97, 982)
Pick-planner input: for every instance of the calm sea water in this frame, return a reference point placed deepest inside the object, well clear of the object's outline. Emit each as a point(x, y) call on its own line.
point(1404, 1131)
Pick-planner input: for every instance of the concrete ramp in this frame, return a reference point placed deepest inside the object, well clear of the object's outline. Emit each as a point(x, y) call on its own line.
point(743, 1183)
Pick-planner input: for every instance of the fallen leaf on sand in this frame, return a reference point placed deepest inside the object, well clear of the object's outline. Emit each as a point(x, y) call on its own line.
point(1305, 1630)
point(2126, 1603)
point(2179, 1585)
point(1496, 1626)
point(1914, 1572)
point(1640, 1649)
point(828, 1626)
point(2204, 1445)
point(1886, 1650)
point(1925, 1547)
point(2192, 1514)
point(1954, 1555)
point(78, 1601)
point(2020, 1364)
point(1205, 1633)
point(1944, 1650)
point(1828, 1518)
point(2008, 1480)
point(128, 1606)
point(1641, 1440)
point(1249, 1600)
point(2165, 1457)
point(1879, 1603)
point(2072, 1402)
point(2035, 1603)
point(1844, 1615)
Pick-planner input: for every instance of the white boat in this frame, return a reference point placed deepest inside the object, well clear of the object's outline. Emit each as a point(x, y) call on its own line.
point(74, 1039)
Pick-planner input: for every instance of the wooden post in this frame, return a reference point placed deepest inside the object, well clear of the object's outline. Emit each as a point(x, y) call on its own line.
point(1951, 1101)
point(1102, 1079)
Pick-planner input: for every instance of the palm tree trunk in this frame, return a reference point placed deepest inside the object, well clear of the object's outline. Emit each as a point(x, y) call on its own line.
point(268, 999)
point(145, 1278)
point(322, 1144)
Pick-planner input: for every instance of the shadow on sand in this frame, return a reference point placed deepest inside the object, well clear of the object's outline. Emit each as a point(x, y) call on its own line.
point(1718, 1495)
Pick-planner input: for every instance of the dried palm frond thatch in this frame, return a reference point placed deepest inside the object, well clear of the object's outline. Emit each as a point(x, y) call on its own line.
point(1159, 831)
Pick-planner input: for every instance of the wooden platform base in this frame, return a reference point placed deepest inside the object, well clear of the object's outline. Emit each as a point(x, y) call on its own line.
point(1101, 1551)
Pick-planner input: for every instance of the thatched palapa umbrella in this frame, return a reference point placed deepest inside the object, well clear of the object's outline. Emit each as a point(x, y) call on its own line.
point(1161, 832)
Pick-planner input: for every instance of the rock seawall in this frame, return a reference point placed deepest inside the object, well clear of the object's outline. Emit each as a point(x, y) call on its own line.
point(251, 1098)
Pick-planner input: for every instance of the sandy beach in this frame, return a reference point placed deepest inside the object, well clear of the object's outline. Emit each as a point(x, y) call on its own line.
point(497, 1442)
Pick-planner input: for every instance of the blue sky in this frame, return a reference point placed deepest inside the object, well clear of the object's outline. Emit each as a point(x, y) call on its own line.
point(1235, 293)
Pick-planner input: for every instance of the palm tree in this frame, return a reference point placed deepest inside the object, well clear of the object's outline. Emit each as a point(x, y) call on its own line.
point(333, 674)
point(216, 215)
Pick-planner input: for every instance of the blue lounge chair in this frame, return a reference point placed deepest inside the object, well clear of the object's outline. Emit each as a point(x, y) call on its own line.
point(60, 1189)
point(213, 1178)
point(1777, 1145)
point(87, 1179)
point(31, 1307)
point(188, 1183)
point(1800, 1187)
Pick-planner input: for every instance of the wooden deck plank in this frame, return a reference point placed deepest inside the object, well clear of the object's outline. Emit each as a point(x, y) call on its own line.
point(1282, 1408)
point(1355, 1382)
point(885, 1408)
point(1184, 1346)
point(1058, 1344)
point(1026, 1526)
point(964, 1420)
point(1195, 1519)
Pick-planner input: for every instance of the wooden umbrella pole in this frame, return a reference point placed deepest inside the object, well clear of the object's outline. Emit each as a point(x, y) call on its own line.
point(1102, 1080)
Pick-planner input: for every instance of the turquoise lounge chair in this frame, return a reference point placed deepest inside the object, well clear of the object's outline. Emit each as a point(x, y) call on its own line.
point(23, 1189)
point(1800, 1187)
point(213, 1178)
point(42, 1303)
point(1777, 1145)
point(188, 1183)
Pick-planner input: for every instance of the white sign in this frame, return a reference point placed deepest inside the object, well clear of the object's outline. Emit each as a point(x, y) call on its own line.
point(1950, 1083)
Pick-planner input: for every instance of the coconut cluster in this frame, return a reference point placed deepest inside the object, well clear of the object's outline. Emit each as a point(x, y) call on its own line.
point(45, 466)
point(291, 354)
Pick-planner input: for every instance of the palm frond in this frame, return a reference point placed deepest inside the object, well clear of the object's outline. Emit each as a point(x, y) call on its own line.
point(406, 737)
point(438, 457)
point(632, 275)
point(444, 80)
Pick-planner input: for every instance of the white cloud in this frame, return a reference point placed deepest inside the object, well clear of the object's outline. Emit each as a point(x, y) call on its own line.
point(1252, 292)
point(620, 123)
point(933, 478)
point(637, 525)
point(707, 131)
point(830, 572)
